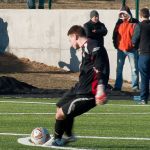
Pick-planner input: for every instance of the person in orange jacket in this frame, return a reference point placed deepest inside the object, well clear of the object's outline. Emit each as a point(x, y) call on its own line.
point(122, 40)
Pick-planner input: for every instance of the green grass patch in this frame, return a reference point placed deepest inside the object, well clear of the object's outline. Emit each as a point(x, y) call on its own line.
point(123, 124)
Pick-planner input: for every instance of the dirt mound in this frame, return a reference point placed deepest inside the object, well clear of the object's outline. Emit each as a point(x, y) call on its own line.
point(9, 85)
point(11, 63)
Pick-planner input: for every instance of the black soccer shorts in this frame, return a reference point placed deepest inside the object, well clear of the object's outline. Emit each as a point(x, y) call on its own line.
point(74, 105)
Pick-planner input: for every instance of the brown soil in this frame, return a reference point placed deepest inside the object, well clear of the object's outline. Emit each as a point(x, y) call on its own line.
point(35, 73)
point(39, 74)
point(78, 4)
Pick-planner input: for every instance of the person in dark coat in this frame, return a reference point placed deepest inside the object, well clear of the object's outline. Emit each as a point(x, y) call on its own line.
point(142, 38)
point(95, 29)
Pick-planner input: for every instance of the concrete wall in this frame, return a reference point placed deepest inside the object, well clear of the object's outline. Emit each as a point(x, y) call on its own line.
point(41, 35)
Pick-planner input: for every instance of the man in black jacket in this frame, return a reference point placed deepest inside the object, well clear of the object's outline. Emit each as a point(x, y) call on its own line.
point(95, 29)
point(142, 38)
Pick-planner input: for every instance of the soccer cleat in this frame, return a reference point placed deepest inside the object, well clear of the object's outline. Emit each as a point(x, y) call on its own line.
point(54, 142)
point(68, 139)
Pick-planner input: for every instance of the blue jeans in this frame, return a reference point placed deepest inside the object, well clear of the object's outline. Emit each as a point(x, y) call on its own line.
point(133, 60)
point(144, 68)
point(32, 4)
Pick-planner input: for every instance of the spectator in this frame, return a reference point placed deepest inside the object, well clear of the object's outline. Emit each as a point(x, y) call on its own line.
point(142, 36)
point(122, 40)
point(87, 93)
point(95, 29)
point(32, 4)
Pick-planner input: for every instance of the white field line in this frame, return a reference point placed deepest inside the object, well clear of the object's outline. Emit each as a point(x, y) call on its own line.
point(146, 113)
point(23, 102)
point(88, 137)
point(46, 103)
point(25, 141)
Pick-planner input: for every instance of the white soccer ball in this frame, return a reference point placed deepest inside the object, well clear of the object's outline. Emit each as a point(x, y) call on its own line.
point(39, 136)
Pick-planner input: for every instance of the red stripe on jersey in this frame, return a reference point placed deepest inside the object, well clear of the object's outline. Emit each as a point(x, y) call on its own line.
point(94, 83)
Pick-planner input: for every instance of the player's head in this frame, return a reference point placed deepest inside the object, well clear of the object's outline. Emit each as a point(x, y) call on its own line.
point(75, 33)
point(144, 13)
point(125, 13)
point(94, 15)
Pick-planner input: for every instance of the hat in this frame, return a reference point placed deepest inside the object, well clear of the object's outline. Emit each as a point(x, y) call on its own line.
point(125, 10)
point(94, 13)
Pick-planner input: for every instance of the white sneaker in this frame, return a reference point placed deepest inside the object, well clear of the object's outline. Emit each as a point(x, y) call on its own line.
point(68, 139)
point(49, 142)
point(142, 102)
point(54, 142)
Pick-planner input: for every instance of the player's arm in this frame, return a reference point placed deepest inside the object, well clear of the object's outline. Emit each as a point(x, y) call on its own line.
point(89, 31)
point(102, 31)
point(115, 34)
point(99, 61)
point(136, 36)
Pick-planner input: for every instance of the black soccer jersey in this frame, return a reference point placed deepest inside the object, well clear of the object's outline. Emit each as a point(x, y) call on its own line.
point(94, 68)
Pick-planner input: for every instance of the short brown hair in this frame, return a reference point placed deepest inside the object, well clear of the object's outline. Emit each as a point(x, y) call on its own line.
point(144, 12)
point(78, 30)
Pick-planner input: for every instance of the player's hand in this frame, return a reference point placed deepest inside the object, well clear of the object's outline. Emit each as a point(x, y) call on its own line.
point(100, 97)
point(94, 31)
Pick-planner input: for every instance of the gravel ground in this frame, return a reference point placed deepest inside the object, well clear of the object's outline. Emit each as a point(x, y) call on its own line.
point(52, 80)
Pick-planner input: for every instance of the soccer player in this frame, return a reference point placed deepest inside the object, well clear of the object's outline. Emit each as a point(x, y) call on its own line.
point(88, 92)
point(142, 38)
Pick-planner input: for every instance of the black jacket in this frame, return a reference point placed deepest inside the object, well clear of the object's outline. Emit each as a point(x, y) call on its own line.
point(100, 28)
point(93, 57)
point(142, 36)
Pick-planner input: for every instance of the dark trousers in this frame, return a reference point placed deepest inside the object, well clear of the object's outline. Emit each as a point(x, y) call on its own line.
point(31, 4)
point(144, 68)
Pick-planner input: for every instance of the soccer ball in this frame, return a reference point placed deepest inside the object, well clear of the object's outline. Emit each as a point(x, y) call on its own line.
point(39, 136)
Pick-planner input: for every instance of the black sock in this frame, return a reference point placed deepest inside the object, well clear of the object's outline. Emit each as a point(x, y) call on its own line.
point(68, 126)
point(59, 129)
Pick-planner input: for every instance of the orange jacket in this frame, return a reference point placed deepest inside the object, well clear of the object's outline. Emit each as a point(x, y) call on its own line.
point(123, 33)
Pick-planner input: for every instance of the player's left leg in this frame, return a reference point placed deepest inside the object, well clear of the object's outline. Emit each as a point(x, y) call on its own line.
point(68, 135)
point(41, 4)
point(31, 4)
point(119, 72)
point(69, 126)
point(143, 64)
point(133, 59)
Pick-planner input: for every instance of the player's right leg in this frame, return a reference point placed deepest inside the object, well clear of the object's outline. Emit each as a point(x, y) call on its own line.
point(120, 63)
point(41, 4)
point(57, 140)
point(31, 4)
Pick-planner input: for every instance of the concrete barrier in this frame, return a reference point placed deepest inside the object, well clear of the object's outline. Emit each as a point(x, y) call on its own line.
point(41, 35)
